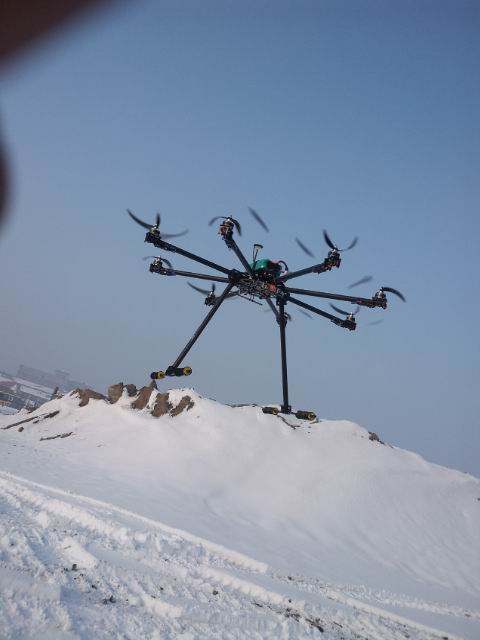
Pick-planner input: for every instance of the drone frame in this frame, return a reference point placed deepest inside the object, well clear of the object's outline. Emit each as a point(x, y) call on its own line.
point(251, 285)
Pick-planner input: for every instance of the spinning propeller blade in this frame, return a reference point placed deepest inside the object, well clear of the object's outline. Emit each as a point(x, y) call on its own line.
point(174, 235)
point(361, 281)
point(334, 247)
point(395, 292)
point(258, 219)
point(206, 292)
point(327, 240)
point(287, 315)
point(138, 221)
point(304, 248)
point(156, 226)
point(345, 313)
point(305, 313)
point(167, 262)
point(235, 222)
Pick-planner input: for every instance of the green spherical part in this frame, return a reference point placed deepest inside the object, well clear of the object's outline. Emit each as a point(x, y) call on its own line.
point(265, 265)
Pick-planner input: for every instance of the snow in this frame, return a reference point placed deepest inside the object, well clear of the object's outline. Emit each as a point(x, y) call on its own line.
point(225, 522)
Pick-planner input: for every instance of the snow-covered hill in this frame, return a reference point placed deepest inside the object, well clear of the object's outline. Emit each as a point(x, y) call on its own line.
point(213, 521)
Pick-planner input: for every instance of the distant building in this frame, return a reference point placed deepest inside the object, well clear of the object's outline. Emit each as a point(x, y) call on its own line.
point(7, 392)
point(17, 394)
point(32, 387)
point(60, 379)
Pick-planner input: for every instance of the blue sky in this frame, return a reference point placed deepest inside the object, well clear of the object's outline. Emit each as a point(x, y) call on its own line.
point(358, 117)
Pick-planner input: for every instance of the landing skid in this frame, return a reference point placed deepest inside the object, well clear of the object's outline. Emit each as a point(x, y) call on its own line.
point(301, 415)
point(171, 372)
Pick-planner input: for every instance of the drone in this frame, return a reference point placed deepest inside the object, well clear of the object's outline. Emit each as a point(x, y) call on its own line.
point(260, 281)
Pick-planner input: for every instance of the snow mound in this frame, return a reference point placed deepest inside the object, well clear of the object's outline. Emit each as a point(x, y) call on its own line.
point(321, 506)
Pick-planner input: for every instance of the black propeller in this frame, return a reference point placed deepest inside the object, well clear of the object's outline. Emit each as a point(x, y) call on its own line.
point(167, 262)
point(287, 315)
point(304, 248)
point(235, 222)
point(206, 292)
point(334, 247)
point(258, 219)
point(361, 281)
point(354, 313)
point(156, 226)
point(145, 224)
point(394, 291)
point(305, 313)
point(345, 313)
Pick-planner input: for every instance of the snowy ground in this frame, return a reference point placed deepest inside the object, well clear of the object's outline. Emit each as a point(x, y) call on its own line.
point(225, 523)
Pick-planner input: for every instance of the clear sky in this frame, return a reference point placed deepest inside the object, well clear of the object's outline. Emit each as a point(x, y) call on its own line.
point(358, 117)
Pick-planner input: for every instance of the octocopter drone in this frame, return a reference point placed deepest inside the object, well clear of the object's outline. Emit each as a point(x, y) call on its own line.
point(262, 280)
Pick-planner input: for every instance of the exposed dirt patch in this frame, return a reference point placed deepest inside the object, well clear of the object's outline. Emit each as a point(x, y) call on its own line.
point(185, 404)
point(115, 392)
point(292, 426)
point(131, 390)
point(60, 435)
point(162, 405)
point(374, 438)
point(15, 424)
point(143, 396)
point(243, 404)
point(33, 419)
point(86, 395)
point(289, 612)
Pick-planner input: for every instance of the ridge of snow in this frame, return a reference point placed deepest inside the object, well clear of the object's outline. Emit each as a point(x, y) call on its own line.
point(270, 510)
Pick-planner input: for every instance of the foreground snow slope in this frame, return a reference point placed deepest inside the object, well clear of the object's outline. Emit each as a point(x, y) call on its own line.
point(355, 533)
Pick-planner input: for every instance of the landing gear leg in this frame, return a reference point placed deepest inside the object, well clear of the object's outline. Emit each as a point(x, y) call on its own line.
point(282, 321)
point(175, 369)
point(286, 408)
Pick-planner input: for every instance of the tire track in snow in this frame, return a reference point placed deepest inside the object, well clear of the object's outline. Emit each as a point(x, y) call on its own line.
point(350, 593)
point(136, 582)
point(28, 588)
point(233, 557)
point(168, 581)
